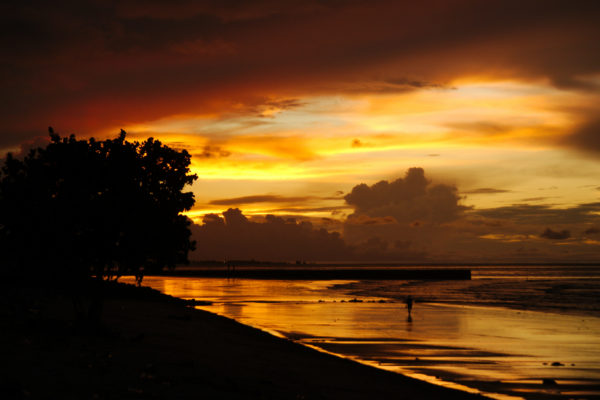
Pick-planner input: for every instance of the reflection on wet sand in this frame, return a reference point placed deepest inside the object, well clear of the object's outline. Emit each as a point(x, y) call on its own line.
point(496, 350)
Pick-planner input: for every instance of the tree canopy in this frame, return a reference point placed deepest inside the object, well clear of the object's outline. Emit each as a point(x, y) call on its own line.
point(95, 208)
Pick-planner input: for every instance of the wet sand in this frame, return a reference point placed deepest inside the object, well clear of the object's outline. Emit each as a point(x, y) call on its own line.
point(535, 355)
point(151, 347)
point(496, 351)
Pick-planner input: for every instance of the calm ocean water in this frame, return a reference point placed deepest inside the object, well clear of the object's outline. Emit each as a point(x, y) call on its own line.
point(558, 289)
point(518, 331)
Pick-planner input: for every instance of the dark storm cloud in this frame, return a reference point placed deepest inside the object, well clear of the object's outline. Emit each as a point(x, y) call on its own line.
point(486, 191)
point(84, 66)
point(408, 199)
point(233, 236)
point(555, 235)
point(542, 214)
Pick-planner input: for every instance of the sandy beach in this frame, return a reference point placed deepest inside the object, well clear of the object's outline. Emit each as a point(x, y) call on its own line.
point(152, 346)
point(499, 351)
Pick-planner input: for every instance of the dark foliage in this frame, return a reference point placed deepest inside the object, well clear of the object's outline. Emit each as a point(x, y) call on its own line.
point(79, 209)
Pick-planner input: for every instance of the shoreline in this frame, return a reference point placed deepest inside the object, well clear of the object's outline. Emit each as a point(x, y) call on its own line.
point(358, 329)
point(432, 360)
point(153, 346)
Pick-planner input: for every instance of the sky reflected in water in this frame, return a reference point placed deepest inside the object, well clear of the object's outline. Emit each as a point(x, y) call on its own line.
point(493, 349)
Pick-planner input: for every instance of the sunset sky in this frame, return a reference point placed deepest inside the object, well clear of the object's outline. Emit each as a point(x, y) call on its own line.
point(483, 118)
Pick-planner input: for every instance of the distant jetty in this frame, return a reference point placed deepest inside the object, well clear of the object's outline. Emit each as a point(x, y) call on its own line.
point(326, 273)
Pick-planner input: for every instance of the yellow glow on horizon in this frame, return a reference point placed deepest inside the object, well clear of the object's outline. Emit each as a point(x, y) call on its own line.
point(474, 114)
point(197, 215)
point(482, 133)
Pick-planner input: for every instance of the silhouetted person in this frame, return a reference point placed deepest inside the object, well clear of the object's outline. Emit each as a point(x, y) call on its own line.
point(409, 304)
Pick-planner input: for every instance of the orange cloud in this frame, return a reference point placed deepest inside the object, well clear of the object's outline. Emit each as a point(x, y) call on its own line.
point(102, 65)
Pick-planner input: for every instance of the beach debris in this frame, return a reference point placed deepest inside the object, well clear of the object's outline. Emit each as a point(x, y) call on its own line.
point(557, 364)
point(549, 382)
point(194, 303)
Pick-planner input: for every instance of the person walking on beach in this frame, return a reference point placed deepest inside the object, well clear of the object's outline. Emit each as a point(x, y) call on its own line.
point(409, 304)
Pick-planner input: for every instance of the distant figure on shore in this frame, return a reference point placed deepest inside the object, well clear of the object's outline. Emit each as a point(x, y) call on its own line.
point(230, 267)
point(409, 304)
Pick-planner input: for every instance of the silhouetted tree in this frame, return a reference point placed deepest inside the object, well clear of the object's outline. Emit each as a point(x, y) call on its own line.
point(81, 209)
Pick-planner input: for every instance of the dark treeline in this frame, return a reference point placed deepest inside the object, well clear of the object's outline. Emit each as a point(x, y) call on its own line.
point(82, 211)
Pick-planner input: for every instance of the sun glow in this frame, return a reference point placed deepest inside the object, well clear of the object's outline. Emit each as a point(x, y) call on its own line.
point(465, 130)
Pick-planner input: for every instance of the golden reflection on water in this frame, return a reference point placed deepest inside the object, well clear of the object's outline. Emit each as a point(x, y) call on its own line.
point(476, 343)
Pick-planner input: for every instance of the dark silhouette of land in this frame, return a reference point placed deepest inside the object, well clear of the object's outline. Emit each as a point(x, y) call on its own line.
point(155, 346)
point(79, 212)
point(75, 216)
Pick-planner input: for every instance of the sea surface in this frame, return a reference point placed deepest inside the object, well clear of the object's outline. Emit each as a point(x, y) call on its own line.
point(528, 332)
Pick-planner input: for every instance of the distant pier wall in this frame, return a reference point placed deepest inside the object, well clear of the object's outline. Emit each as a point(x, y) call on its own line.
point(327, 273)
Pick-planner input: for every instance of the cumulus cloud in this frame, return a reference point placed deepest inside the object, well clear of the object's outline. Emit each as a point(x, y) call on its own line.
point(233, 236)
point(400, 220)
point(555, 235)
point(408, 199)
point(410, 219)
